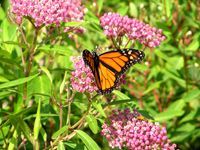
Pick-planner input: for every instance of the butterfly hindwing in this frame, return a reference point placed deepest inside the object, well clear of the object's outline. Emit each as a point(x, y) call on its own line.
point(109, 66)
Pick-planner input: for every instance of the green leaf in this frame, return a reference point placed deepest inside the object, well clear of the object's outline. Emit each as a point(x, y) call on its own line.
point(192, 95)
point(59, 132)
point(99, 107)
point(117, 102)
point(87, 140)
point(2, 14)
point(22, 125)
point(37, 123)
point(152, 87)
point(123, 9)
point(174, 110)
point(193, 46)
point(42, 115)
point(100, 5)
point(40, 87)
point(180, 137)
point(10, 63)
point(187, 127)
point(167, 5)
point(17, 82)
point(13, 141)
point(43, 133)
point(180, 81)
point(91, 18)
point(162, 55)
point(188, 117)
point(140, 67)
point(62, 86)
point(9, 33)
point(71, 144)
point(74, 24)
point(4, 94)
point(61, 146)
point(133, 9)
point(3, 79)
point(176, 62)
point(45, 70)
point(14, 43)
point(92, 122)
point(145, 114)
point(120, 95)
point(55, 49)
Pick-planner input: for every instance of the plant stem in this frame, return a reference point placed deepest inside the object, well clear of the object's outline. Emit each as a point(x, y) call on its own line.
point(185, 70)
point(127, 43)
point(30, 61)
point(156, 96)
point(32, 51)
point(23, 36)
point(61, 112)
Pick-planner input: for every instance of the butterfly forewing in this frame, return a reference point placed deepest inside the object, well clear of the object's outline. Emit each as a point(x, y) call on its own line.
point(120, 60)
point(89, 60)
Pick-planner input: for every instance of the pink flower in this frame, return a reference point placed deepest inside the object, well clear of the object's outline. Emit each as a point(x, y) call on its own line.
point(82, 79)
point(127, 130)
point(115, 26)
point(48, 11)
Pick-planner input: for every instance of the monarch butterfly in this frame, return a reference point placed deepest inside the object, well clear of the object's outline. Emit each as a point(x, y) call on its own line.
point(108, 67)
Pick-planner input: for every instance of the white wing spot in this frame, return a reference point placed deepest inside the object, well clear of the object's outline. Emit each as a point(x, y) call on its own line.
point(131, 57)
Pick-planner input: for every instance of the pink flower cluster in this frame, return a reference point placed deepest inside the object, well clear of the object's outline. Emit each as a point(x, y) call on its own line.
point(127, 130)
point(48, 11)
point(82, 79)
point(115, 25)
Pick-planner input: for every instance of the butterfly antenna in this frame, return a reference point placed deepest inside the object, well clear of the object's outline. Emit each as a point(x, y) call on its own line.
point(98, 49)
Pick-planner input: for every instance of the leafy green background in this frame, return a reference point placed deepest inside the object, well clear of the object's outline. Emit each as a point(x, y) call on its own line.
point(165, 87)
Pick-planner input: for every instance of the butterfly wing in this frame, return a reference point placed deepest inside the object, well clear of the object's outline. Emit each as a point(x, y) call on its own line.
point(113, 64)
point(90, 61)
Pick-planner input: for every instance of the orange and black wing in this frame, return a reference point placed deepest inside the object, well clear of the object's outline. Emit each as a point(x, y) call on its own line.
point(89, 60)
point(113, 64)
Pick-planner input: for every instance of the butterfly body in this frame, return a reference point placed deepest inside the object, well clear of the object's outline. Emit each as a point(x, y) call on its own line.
point(108, 67)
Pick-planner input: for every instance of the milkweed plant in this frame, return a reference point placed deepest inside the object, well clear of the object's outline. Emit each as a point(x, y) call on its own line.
point(48, 94)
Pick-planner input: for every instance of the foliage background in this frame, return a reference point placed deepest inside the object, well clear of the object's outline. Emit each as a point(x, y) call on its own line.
point(166, 86)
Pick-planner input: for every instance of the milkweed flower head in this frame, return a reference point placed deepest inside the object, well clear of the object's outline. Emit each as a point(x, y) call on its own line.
point(82, 79)
point(48, 11)
point(115, 25)
point(126, 130)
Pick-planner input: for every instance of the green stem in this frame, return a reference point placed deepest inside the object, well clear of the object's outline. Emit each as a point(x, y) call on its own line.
point(61, 111)
point(127, 43)
point(185, 70)
point(30, 61)
point(31, 54)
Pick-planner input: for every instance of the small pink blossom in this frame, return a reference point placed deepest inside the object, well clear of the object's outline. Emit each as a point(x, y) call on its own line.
point(82, 79)
point(48, 11)
point(115, 25)
point(127, 130)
